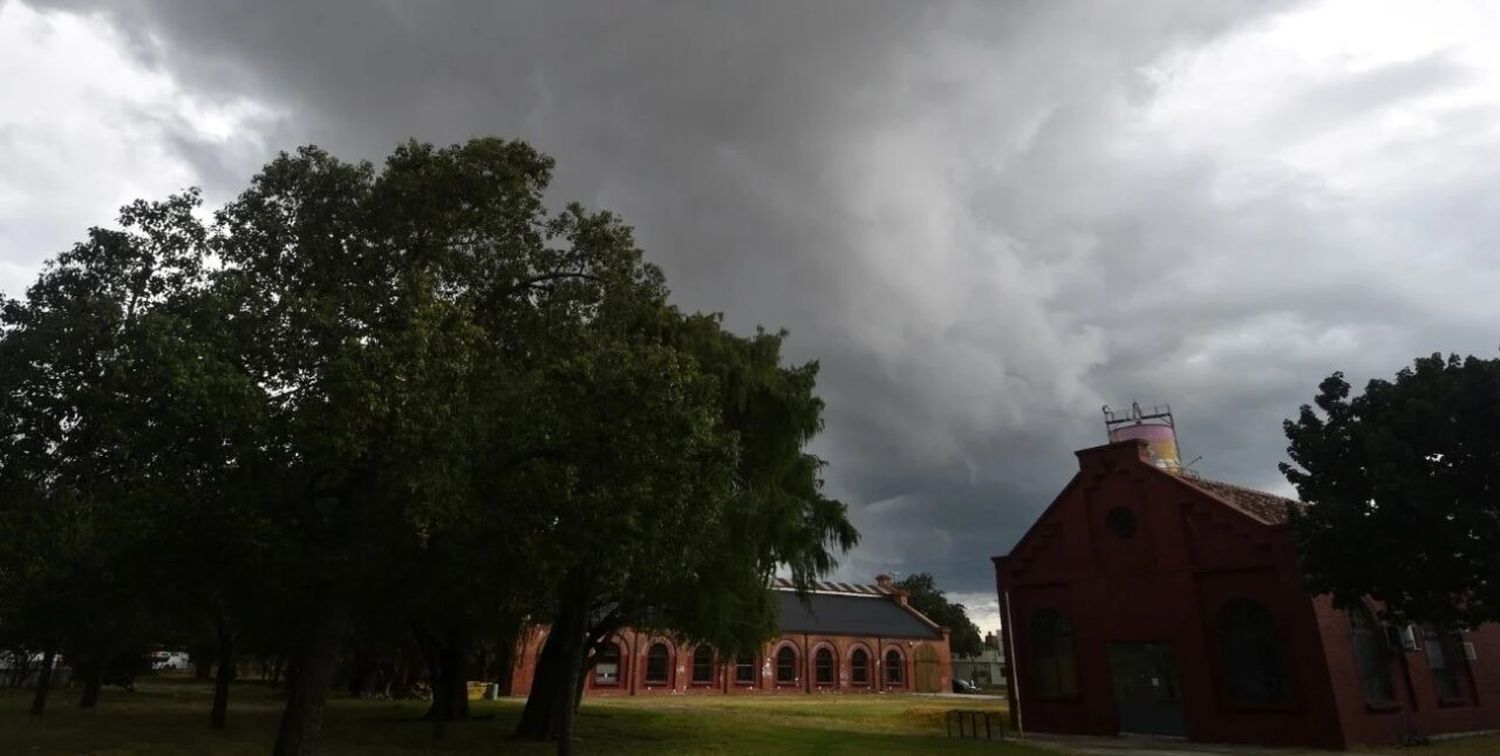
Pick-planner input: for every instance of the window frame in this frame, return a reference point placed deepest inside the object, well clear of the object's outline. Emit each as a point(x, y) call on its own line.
point(1053, 656)
point(712, 667)
point(899, 668)
point(665, 660)
point(1367, 642)
point(782, 664)
point(619, 662)
point(820, 654)
point(1265, 641)
point(752, 665)
point(855, 668)
point(1450, 647)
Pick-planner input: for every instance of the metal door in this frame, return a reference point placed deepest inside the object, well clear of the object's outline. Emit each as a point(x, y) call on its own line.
point(1146, 692)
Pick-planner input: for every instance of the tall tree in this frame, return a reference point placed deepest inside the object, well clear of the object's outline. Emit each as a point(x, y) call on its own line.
point(1403, 491)
point(77, 431)
point(928, 599)
point(762, 507)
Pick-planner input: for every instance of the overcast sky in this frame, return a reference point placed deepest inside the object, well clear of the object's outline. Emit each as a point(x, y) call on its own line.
point(986, 220)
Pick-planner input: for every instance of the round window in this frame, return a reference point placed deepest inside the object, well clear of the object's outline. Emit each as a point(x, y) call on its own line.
point(1121, 522)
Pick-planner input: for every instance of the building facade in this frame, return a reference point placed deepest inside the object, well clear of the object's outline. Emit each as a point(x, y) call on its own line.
point(846, 638)
point(1146, 600)
point(987, 668)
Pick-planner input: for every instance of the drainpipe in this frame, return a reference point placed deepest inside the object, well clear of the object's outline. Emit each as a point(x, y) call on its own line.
point(1010, 661)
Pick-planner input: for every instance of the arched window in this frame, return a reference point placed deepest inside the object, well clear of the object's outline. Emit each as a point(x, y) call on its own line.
point(1252, 653)
point(607, 668)
point(859, 667)
point(823, 666)
point(744, 669)
point(703, 665)
point(895, 670)
point(1445, 655)
point(786, 665)
point(1370, 653)
point(657, 662)
point(1055, 674)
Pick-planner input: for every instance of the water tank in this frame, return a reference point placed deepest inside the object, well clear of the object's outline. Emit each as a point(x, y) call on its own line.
point(1156, 428)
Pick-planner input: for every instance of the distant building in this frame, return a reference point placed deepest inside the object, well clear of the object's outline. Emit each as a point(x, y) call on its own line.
point(985, 668)
point(847, 639)
point(1150, 601)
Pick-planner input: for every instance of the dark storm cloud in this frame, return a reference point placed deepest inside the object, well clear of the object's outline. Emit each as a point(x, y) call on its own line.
point(965, 211)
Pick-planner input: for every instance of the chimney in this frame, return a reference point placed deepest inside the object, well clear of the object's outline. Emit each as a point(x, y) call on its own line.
point(884, 581)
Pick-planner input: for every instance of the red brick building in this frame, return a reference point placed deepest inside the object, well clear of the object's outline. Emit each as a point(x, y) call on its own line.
point(846, 639)
point(1147, 600)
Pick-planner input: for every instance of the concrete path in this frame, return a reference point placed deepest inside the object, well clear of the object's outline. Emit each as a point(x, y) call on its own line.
point(1141, 745)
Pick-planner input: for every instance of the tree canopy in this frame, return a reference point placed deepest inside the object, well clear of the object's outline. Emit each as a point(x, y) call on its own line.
point(360, 403)
point(1403, 488)
point(928, 599)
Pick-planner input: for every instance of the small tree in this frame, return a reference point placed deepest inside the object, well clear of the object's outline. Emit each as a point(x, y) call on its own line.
point(928, 599)
point(1403, 488)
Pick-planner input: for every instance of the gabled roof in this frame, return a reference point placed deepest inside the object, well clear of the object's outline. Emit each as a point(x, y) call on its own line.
point(1265, 507)
point(852, 613)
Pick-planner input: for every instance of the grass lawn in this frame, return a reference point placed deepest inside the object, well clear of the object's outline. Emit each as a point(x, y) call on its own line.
point(172, 716)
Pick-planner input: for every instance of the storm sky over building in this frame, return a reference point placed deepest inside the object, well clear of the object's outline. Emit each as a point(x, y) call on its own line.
point(985, 220)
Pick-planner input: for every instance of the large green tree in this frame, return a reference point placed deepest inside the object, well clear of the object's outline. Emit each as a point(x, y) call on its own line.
point(928, 599)
point(78, 435)
point(1403, 491)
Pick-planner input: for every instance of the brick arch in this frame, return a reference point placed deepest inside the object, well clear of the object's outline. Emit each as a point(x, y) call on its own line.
point(871, 668)
point(797, 662)
point(670, 678)
point(885, 674)
point(622, 666)
point(811, 664)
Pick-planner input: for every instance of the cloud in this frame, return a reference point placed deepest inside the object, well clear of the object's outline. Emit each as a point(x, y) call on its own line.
point(984, 220)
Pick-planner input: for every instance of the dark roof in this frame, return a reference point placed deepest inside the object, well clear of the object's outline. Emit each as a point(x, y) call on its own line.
point(1266, 507)
point(846, 613)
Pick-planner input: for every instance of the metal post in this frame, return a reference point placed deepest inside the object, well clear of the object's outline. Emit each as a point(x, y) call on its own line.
point(1012, 661)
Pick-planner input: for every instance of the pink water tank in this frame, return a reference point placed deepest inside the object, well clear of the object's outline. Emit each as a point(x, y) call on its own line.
point(1160, 438)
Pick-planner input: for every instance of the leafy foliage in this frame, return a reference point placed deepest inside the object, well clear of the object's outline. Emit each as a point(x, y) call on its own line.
point(1403, 484)
point(926, 598)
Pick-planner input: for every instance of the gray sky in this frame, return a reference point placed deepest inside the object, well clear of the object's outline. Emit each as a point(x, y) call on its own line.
point(985, 219)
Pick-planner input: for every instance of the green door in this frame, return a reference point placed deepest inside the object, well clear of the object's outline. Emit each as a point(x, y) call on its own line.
point(1146, 692)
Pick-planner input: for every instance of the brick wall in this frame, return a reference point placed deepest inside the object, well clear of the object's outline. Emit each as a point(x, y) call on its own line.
point(635, 648)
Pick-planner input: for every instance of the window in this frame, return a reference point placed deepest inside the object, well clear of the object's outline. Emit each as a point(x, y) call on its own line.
point(1121, 522)
point(1371, 654)
point(744, 669)
point(607, 669)
point(703, 665)
point(859, 667)
point(1252, 653)
point(1052, 655)
point(823, 666)
point(894, 669)
point(1445, 655)
point(657, 661)
point(786, 665)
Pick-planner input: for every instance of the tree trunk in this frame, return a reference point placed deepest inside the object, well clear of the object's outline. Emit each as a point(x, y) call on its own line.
point(450, 690)
point(554, 686)
point(93, 680)
point(43, 683)
point(302, 721)
point(225, 675)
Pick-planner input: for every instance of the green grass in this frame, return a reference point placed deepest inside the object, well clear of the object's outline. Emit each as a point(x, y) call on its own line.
point(172, 716)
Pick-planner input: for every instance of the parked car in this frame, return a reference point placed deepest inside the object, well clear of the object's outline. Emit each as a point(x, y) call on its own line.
point(964, 686)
